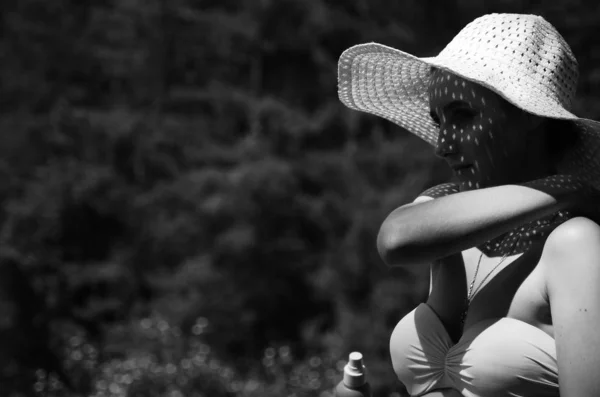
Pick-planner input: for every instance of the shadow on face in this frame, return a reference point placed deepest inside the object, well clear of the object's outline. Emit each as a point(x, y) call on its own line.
point(488, 141)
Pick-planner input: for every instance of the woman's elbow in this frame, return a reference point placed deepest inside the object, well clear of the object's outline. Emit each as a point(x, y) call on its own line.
point(395, 248)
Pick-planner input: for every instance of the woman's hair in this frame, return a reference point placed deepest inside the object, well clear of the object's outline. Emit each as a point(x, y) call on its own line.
point(561, 135)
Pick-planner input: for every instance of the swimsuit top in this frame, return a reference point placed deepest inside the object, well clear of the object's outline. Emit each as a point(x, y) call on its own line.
point(495, 357)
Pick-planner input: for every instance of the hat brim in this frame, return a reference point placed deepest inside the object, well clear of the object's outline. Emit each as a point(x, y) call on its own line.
point(389, 83)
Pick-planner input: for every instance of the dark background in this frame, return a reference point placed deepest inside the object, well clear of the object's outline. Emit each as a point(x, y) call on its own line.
point(188, 210)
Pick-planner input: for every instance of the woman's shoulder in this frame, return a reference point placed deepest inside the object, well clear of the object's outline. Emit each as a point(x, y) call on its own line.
point(573, 245)
point(574, 233)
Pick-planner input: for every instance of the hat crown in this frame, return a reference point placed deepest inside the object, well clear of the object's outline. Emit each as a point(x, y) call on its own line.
point(515, 53)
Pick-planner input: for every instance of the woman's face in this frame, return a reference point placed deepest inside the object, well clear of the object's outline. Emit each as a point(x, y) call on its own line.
point(481, 136)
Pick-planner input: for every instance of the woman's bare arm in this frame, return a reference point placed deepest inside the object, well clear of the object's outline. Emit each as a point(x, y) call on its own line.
point(571, 266)
point(420, 233)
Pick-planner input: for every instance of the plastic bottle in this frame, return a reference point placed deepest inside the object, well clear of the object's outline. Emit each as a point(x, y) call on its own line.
point(354, 383)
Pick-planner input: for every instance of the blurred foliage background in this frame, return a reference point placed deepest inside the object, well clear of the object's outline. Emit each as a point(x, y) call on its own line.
point(188, 210)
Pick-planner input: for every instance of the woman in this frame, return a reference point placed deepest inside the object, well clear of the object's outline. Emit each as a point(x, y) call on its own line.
point(513, 250)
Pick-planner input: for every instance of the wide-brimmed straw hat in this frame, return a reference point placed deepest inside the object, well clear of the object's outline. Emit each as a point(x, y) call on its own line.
point(522, 58)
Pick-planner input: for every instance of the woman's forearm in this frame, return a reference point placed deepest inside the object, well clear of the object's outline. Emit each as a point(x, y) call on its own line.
point(424, 232)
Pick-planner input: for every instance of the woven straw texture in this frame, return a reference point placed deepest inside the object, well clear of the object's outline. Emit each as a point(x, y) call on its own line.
point(520, 57)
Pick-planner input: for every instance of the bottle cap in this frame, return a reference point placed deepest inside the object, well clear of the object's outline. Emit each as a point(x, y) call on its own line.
point(354, 371)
